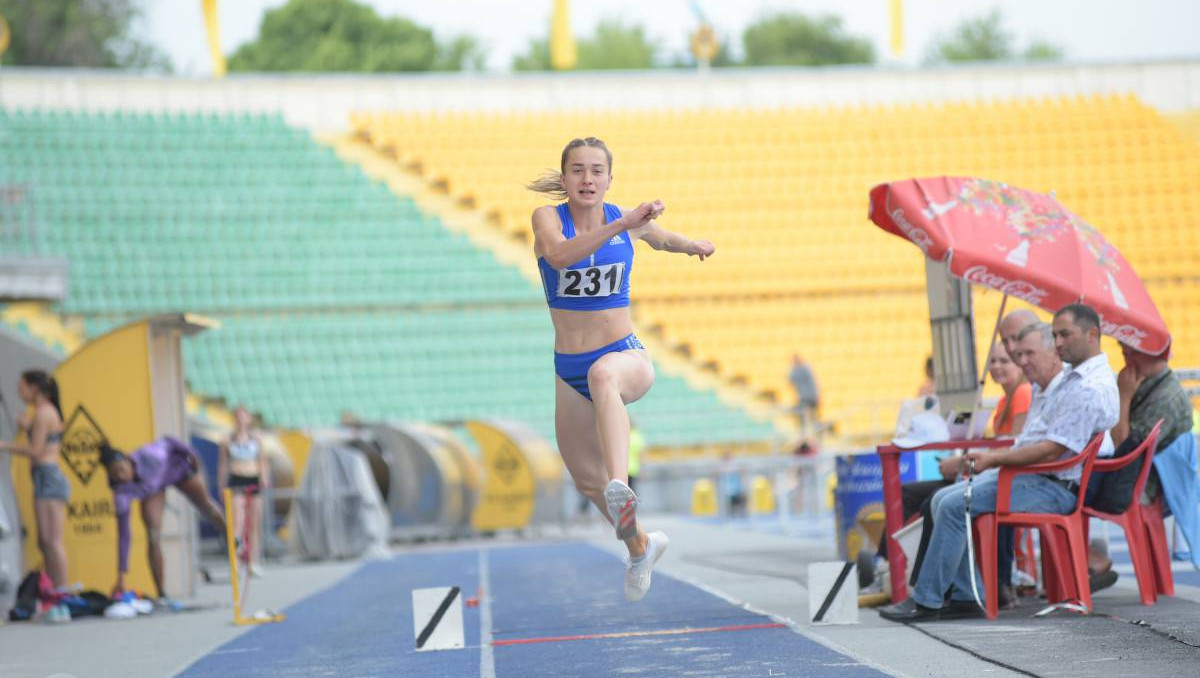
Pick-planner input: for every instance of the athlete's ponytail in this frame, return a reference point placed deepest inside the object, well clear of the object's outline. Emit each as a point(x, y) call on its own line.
point(109, 456)
point(45, 384)
point(551, 182)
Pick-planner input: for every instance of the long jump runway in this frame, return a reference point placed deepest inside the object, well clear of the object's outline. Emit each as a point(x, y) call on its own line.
point(550, 610)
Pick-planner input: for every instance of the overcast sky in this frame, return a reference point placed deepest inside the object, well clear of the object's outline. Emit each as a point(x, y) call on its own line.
point(1089, 30)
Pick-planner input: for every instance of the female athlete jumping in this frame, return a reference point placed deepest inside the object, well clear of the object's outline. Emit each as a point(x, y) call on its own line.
point(585, 252)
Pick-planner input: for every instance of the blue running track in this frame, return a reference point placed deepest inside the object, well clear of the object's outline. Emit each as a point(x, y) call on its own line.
point(543, 598)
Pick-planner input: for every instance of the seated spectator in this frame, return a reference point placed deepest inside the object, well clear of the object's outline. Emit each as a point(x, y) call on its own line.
point(1149, 391)
point(1084, 404)
point(1009, 419)
point(1007, 422)
point(1013, 406)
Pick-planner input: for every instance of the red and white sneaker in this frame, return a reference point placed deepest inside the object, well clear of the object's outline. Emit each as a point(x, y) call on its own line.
point(622, 508)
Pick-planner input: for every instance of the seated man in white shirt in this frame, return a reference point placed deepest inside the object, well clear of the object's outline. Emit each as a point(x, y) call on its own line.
point(1072, 412)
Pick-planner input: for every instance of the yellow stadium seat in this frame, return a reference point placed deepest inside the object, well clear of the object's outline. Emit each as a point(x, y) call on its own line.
point(783, 194)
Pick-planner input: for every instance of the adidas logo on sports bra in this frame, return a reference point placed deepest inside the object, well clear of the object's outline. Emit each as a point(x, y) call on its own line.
point(616, 240)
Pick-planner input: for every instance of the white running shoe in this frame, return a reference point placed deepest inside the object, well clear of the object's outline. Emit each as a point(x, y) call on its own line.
point(637, 575)
point(622, 508)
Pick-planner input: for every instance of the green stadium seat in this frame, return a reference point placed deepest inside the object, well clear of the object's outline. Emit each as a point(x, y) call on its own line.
point(333, 293)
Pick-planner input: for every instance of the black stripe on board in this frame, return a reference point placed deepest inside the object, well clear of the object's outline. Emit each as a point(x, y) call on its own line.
point(437, 617)
point(837, 586)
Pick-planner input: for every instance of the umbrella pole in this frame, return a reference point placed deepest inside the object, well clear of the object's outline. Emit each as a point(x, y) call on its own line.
point(984, 372)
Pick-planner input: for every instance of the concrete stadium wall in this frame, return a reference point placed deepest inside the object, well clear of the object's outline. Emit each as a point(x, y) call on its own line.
point(323, 102)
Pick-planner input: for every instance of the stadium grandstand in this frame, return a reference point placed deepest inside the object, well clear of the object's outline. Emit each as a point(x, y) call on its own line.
point(300, 288)
point(327, 284)
point(323, 276)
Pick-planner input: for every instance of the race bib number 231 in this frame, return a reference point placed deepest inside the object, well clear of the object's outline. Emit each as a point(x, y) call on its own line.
point(592, 281)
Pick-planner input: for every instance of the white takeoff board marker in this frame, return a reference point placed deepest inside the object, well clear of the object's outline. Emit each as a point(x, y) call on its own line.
point(438, 618)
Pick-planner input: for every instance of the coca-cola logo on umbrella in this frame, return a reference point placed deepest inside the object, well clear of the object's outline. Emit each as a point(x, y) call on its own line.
point(917, 235)
point(1017, 288)
point(1126, 334)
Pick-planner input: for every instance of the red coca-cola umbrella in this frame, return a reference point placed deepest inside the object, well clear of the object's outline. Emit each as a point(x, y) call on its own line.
point(1023, 244)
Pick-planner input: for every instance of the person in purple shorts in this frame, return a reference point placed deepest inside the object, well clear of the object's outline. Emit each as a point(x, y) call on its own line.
point(144, 475)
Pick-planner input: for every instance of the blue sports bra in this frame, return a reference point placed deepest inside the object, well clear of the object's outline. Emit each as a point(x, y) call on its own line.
point(594, 284)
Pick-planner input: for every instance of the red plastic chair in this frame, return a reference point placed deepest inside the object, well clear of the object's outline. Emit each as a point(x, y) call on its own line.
point(1132, 521)
point(1065, 571)
point(1153, 516)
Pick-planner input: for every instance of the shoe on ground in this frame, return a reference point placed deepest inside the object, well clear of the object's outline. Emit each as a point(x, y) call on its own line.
point(1006, 598)
point(909, 610)
point(1021, 579)
point(120, 611)
point(1102, 580)
point(1027, 592)
point(59, 614)
point(962, 609)
point(637, 575)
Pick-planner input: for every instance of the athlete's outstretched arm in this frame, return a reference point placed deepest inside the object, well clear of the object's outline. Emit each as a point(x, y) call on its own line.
point(663, 240)
point(561, 252)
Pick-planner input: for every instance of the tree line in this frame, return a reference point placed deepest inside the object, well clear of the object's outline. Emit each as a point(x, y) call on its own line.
point(351, 36)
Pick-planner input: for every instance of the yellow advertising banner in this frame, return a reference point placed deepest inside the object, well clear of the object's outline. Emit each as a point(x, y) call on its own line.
point(297, 445)
point(507, 499)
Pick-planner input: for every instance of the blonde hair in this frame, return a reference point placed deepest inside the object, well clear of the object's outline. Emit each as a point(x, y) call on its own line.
point(1008, 404)
point(551, 181)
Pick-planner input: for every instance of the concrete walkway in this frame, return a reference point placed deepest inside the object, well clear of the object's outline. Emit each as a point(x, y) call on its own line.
point(729, 599)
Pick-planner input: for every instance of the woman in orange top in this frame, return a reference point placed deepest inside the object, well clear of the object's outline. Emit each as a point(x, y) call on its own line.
point(1007, 422)
point(1010, 414)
